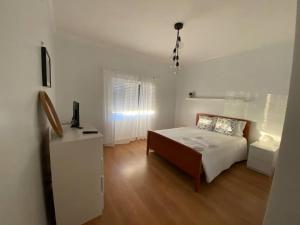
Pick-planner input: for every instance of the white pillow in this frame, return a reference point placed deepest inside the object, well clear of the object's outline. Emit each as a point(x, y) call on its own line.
point(206, 123)
point(239, 127)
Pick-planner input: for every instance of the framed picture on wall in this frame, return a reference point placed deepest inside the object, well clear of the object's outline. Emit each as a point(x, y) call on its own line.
point(46, 67)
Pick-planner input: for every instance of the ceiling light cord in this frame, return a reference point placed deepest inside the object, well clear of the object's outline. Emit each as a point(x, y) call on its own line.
point(178, 26)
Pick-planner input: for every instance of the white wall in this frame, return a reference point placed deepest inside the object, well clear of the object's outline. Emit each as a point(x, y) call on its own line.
point(78, 76)
point(283, 207)
point(23, 25)
point(258, 72)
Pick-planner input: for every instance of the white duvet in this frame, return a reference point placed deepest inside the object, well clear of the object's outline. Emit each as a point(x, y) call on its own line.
point(218, 151)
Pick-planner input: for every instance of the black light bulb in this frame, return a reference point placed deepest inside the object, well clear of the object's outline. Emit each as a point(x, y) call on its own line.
point(174, 57)
point(177, 64)
point(174, 51)
point(179, 38)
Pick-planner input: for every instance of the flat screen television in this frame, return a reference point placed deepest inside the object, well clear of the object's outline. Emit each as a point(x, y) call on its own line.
point(75, 119)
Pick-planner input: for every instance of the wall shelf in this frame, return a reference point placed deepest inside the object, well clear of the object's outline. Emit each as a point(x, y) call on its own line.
point(203, 98)
point(216, 98)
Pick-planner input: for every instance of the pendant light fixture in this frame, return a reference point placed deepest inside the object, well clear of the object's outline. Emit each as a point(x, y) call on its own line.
point(178, 44)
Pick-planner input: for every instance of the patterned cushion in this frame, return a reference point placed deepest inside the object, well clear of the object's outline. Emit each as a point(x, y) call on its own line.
point(224, 126)
point(206, 122)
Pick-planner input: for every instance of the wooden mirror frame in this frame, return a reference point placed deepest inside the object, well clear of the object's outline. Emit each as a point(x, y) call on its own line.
point(51, 113)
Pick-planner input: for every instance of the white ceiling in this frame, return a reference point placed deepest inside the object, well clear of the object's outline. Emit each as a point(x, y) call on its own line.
point(212, 28)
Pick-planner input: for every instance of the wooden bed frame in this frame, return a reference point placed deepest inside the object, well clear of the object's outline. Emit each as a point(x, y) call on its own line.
point(182, 156)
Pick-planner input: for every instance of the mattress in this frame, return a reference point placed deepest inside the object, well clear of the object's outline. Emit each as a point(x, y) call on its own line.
point(218, 151)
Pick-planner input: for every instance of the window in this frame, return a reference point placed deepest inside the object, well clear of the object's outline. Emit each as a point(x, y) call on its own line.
point(130, 99)
point(132, 108)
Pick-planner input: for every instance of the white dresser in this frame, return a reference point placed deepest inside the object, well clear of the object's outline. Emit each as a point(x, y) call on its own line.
point(76, 162)
point(262, 157)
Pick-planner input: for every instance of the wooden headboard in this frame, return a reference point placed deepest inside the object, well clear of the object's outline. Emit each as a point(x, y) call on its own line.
point(246, 129)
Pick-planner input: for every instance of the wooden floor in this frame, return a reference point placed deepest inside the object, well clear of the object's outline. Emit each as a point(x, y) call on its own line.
point(141, 190)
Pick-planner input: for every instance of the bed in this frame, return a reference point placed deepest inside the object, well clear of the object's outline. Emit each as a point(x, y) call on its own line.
point(197, 151)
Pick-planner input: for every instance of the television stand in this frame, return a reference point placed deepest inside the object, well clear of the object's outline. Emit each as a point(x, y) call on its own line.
point(78, 127)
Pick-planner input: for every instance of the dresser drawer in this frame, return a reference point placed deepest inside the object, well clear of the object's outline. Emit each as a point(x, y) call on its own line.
point(261, 157)
point(261, 154)
point(265, 167)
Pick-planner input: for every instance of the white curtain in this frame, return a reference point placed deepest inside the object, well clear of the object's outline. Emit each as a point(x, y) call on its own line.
point(146, 107)
point(129, 107)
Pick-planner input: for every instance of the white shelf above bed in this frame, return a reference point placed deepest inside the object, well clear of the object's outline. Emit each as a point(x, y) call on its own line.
point(216, 98)
point(204, 97)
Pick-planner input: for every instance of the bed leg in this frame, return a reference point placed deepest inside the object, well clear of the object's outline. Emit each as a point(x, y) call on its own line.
point(197, 181)
point(148, 142)
point(147, 150)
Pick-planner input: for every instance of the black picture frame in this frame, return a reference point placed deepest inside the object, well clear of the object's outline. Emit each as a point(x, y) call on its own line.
point(46, 67)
